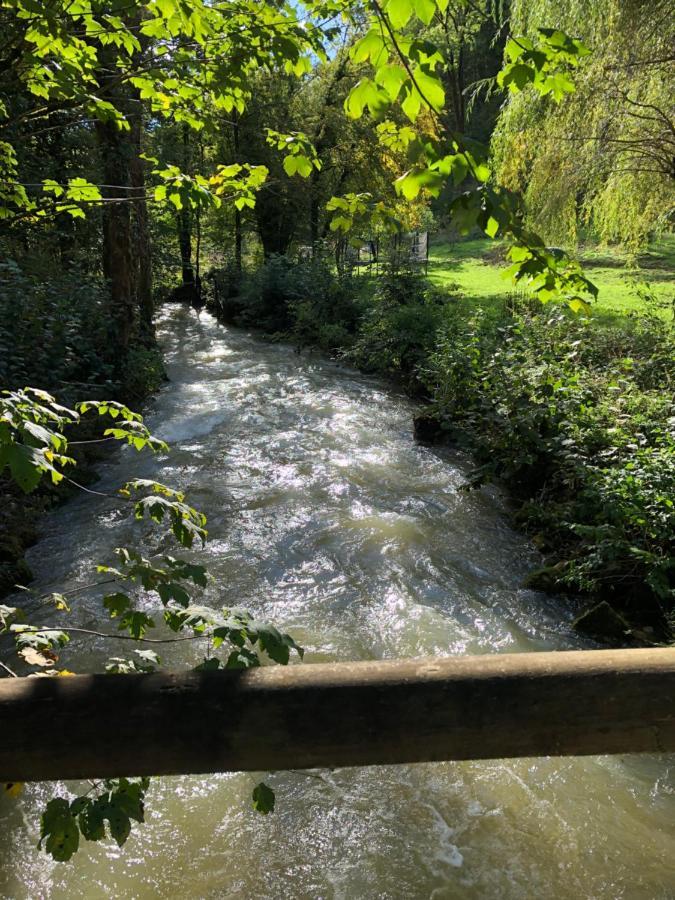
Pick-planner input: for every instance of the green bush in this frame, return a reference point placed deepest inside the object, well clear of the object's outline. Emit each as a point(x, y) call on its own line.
point(53, 331)
point(55, 334)
point(399, 328)
point(302, 299)
point(221, 286)
point(578, 420)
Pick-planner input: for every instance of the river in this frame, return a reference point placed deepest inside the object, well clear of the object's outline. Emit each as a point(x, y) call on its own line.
point(326, 518)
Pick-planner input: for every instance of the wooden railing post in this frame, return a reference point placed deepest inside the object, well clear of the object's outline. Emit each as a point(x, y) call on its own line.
point(341, 714)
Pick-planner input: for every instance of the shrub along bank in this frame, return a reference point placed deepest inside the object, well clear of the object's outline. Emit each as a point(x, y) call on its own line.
point(55, 335)
point(575, 418)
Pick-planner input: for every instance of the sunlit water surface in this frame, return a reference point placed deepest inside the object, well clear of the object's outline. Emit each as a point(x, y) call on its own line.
point(325, 517)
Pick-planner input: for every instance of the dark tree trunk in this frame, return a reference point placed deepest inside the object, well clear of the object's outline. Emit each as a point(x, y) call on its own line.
point(116, 149)
point(238, 236)
point(142, 249)
point(275, 226)
point(314, 205)
point(237, 241)
point(119, 151)
point(184, 220)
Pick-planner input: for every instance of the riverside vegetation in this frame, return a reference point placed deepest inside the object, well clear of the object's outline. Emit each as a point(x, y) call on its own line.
point(231, 153)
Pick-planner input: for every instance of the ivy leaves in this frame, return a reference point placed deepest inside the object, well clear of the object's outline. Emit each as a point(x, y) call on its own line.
point(117, 806)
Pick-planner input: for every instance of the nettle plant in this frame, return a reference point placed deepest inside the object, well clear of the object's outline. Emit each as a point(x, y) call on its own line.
point(33, 445)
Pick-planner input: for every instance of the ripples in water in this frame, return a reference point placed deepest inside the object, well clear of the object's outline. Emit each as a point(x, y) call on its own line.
point(325, 516)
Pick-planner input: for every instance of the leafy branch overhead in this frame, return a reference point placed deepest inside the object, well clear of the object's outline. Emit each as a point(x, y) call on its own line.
point(32, 438)
point(32, 442)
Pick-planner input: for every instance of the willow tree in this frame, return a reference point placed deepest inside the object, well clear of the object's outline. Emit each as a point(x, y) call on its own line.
point(603, 159)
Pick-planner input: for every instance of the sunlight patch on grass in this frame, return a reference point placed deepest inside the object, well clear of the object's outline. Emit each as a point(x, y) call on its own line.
point(475, 269)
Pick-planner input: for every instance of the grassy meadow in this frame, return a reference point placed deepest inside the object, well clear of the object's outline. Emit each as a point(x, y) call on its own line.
point(475, 268)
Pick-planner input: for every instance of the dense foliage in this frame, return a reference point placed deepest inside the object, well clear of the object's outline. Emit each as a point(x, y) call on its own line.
point(578, 421)
point(600, 163)
point(238, 152)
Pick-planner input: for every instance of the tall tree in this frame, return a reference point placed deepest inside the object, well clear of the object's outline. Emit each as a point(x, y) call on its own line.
point(603, 160)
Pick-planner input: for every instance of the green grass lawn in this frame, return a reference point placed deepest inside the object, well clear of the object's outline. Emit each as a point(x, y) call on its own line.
point(475, 268)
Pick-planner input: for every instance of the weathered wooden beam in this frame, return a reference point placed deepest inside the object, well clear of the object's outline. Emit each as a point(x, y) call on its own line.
point(343, 714)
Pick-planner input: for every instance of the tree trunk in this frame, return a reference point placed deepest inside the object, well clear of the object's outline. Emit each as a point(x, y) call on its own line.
point(314, 212)
point(142, 248)
point(275, 227)
point(238, 236)
point(184, 220)
point(116, 150)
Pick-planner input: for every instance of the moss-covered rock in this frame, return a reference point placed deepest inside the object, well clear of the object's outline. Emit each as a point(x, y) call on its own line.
point(547, 579)
point(603, 623)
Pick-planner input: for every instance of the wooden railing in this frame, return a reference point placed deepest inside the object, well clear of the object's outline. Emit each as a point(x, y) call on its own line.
point(342, 714)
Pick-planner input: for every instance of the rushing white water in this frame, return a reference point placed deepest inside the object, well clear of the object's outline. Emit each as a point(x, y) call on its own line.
point(325, 517)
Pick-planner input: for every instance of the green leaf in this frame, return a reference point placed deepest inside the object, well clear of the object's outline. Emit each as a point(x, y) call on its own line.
point(171, 590)
point(412, 103)
point(558, 85)
point(516, 76)
point(424, 9)
point(492, 227)
point(578, 305)
point(116, 604)
point(25, 464)
point(136, 623)
point(59, 832)
point(291, 165)
point(399, 12)
point(263, 799)
point(91, 819)
point(391, 78)
point(370, 46)
point(431, 88)
point(304, 166)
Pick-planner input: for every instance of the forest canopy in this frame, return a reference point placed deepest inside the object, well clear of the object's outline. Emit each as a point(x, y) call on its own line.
point(311, 120)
